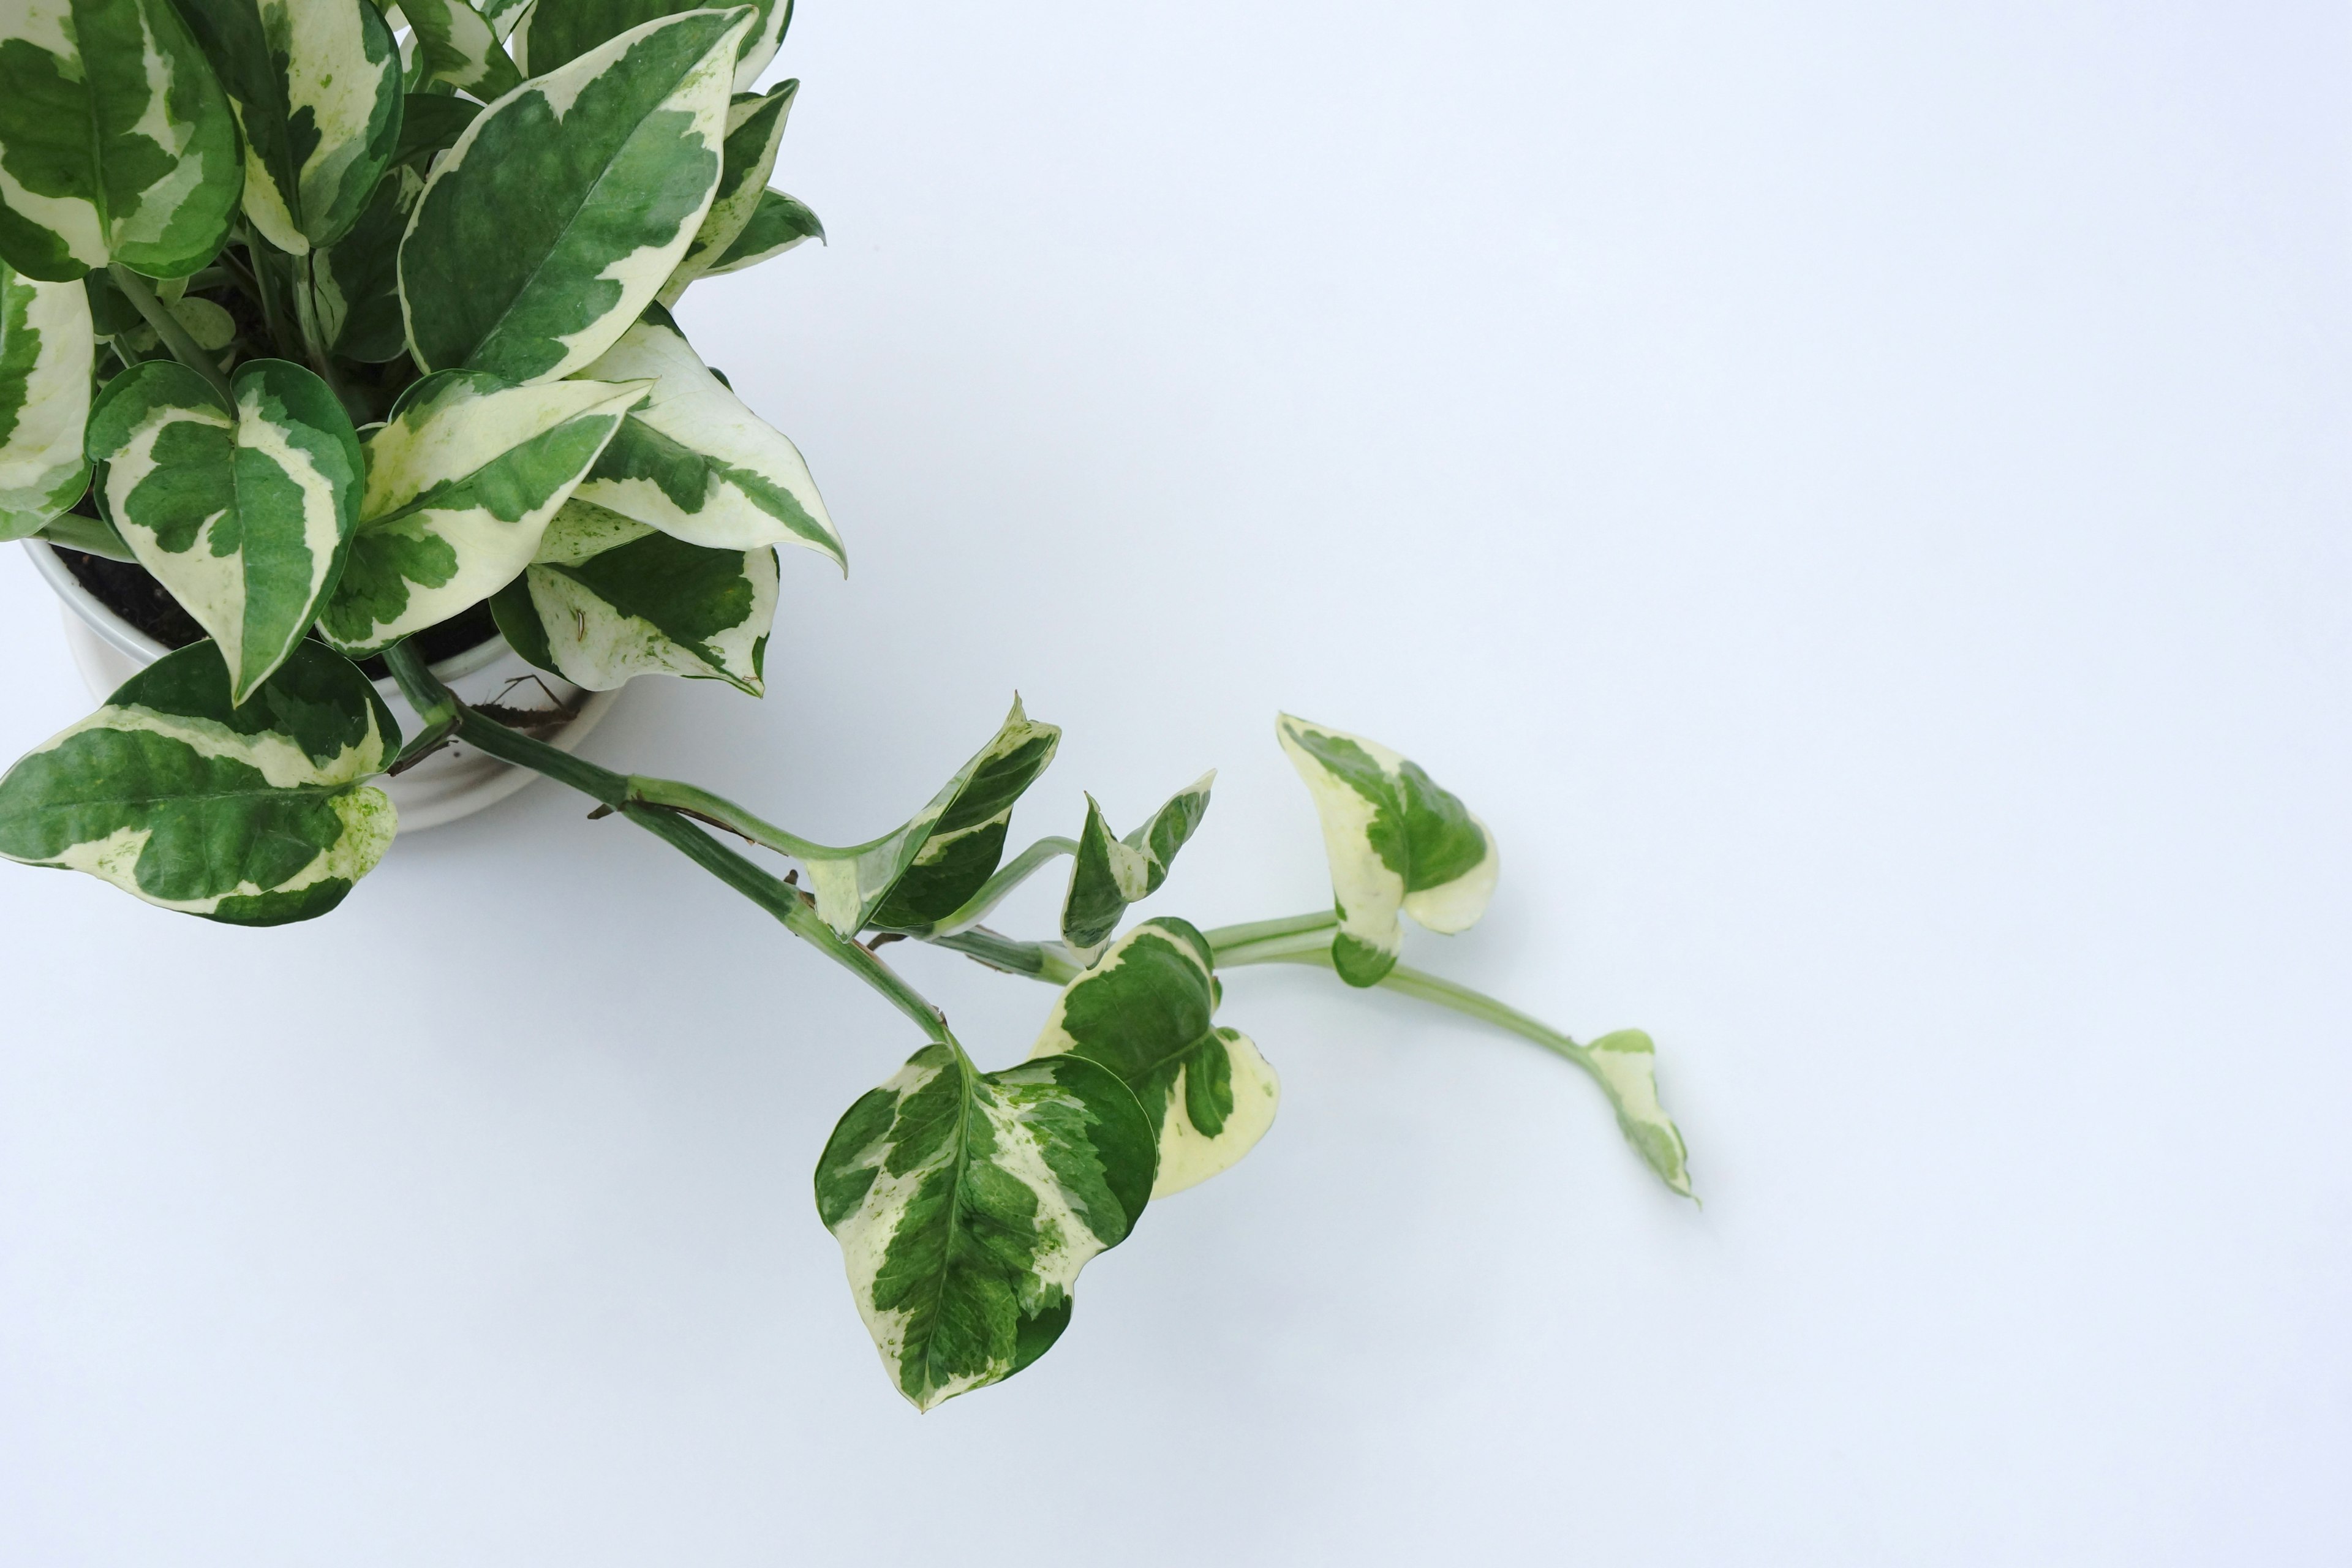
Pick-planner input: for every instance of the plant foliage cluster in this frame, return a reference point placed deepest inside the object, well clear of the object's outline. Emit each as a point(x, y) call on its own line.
point(343, 320)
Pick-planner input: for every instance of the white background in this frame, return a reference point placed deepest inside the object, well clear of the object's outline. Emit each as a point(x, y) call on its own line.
point(1854, 493)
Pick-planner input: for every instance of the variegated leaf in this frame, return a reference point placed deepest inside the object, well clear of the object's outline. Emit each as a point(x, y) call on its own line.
point(554, 33)
point(242, 511)
point(1394, 841)
point(560, 211)
point(755, 129)
point(1143, 1011)
point(923, 872)
point(430, 125)
point(45, 350)
point(1110, 873)
point(694, 462)
point(462, 481)
point(1626, 1065)
point(502, 16)
point(780, 222)
point(457, 44)
point(316, 87)
point(116, 142)
point(609, 599)
point(355, 287)
point(966, 1203)
point(257, 814)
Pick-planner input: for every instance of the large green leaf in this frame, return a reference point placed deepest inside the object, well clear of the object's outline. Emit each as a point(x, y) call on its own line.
point(925, 870)
point(242, 510)
point(457, 45)
point(780, 222)
point(45, 350)
point(1143, 1011)
point(1109, 873)
point(316, 86)
point(563, 209)
point(116, 142)
point(256, 813)
point(694, 462)
point(755, 129)
point(554, 33)
point(1394, 841)
point(966, 1203)
point(462, 482)
point(608, 599)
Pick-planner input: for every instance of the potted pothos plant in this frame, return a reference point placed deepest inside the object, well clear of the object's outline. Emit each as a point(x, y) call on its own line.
point(335, 324)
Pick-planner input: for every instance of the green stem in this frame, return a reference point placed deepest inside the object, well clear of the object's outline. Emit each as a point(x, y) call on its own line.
point(1036, 960)
point(720, 812)
point(167, 327)
point(1449, 995)
point(265, 286)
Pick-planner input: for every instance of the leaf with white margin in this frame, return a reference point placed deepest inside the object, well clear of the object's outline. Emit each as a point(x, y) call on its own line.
point(128, 154)
point(694, 462)
point(355, 285)
point(608, 600)
point(316, 87)
point(1110, 873)
point(502, 16)
point(966, 1203)
point(755, 129)
point(565, 206)
point(1626, 1065)
point(1143, 1011)
point(255, 814)
point(780, 222)
point(923, 872)
point(462, 481)
point(1394, 840)
point(553, 33)
point(45, 350)
point(244, 511)
point(457, 45)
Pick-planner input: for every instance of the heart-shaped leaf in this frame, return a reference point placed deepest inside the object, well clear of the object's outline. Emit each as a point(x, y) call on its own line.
point(1143, 1011)
point(608, 600)
point(116, 142)
point(256, 813)
point(242, 510)
point(462, 482)
point(1394, 841)
point(1110, 873)
point(564, 207)
point(966, 1203)
point(45, 349)
point(316, 86)
point(755, 129)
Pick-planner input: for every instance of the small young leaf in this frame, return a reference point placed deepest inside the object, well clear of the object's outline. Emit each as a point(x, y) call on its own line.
point(255, 814)
point(780, 222)
point(609, 599)
point(966, 1203)
point(1112, 873)
point(924, 871)
point(243, 512)
point(561, 210)
point(116, 142)
point(457, 44)
point(45, 350)
point(316, 86)
point(1394, 840)
point(462, 482)
point(755, 129)
point(1143, 1012)
point(694, 462)
point(1625, 1064)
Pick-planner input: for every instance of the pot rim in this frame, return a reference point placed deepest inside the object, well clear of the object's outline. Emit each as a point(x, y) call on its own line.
point(94, 612)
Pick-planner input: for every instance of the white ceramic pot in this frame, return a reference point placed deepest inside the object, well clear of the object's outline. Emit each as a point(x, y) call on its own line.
point(454, 782)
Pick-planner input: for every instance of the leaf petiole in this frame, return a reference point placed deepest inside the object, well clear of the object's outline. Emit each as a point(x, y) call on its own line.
point(167, 327)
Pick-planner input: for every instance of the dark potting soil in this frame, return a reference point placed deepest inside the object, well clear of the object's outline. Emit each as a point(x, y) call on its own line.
point(131, 592)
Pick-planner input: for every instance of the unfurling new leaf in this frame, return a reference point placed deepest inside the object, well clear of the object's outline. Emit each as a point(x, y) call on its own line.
point(1110, 873)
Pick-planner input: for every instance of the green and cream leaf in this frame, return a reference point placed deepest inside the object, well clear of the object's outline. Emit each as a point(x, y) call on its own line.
point(694, 462)
point(1110, 873)
point(116, 142)
point(455, 44)
point(966, 1203)
point(609, 599)
point(755, 130)
point(780, 222)
point(1395, 842)
point(462, 482)
point(255, 814)
point(1626, 1065)
point(242, 510)
point(556, 32)
point(1144, 1011)
point(45, 350)
point(561, 210)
